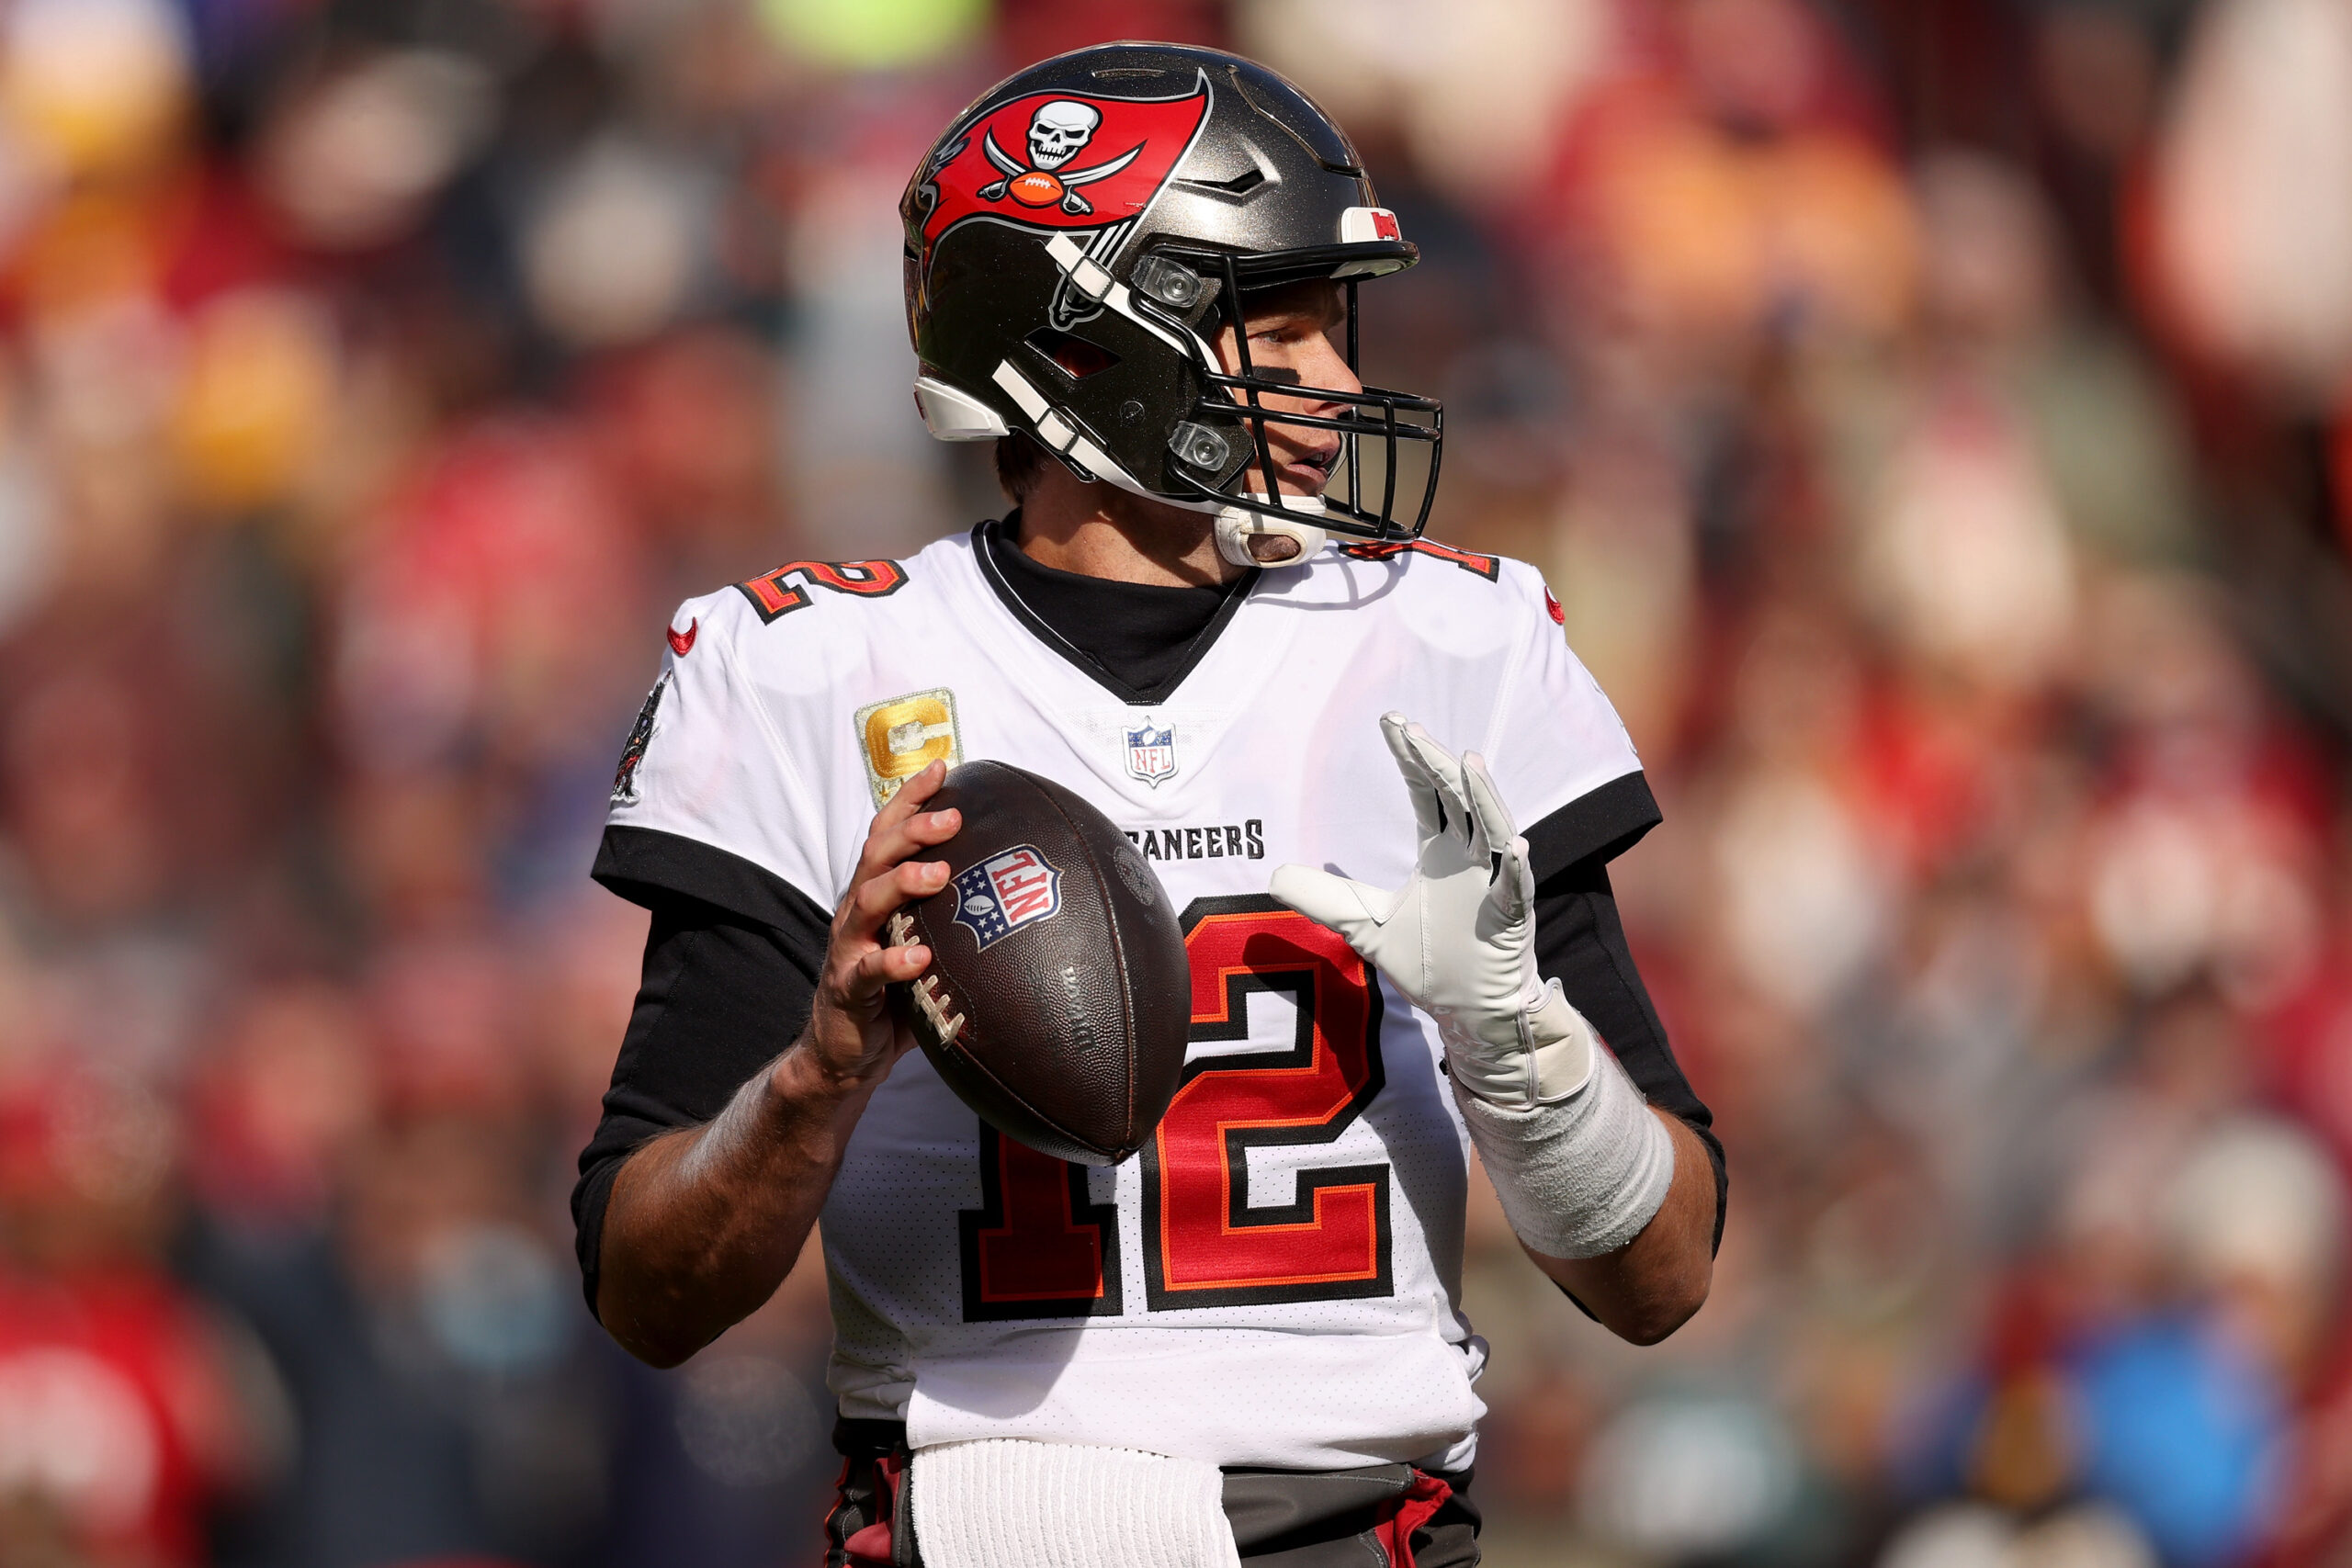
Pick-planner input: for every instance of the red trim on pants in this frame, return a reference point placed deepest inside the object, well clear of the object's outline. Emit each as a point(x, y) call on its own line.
point(870, 1546)
point(1409, 1512)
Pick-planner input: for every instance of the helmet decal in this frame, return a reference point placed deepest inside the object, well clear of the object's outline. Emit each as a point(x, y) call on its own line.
point(1058, 162)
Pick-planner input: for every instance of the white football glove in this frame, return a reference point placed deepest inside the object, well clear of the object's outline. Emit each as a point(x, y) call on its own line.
point(1459, 938)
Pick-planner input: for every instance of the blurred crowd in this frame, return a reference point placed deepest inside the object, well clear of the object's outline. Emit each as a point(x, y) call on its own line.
point(1931, 414)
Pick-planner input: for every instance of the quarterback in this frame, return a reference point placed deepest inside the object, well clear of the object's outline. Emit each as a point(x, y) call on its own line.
point(1377, 786)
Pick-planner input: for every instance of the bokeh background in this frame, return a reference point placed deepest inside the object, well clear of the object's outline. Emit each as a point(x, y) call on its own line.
point(1932, 414)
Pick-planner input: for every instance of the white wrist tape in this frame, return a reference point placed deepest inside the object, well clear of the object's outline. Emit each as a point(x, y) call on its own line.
point(1580, 1177)
point(999, 1501)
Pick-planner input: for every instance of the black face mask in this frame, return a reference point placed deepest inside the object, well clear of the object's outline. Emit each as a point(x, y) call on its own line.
point(1394, 422)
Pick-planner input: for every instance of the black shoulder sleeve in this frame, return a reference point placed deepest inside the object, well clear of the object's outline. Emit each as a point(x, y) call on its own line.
point(1599, 825)
point(723, 990)
point(646, 865)
point(1581, 941)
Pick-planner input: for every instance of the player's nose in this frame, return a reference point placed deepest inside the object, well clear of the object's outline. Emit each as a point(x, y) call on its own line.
point(1326, 368)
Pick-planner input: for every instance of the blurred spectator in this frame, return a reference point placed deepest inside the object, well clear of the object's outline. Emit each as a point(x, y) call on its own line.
point(2254, 230)
point(122, 1420)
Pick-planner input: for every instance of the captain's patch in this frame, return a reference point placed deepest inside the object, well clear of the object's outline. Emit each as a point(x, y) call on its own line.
point(901, 736)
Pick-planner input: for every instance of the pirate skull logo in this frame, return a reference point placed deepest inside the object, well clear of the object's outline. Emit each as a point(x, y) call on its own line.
point(1058, 131)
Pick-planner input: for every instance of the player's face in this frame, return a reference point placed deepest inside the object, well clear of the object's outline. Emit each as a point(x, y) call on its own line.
point(1291, 339)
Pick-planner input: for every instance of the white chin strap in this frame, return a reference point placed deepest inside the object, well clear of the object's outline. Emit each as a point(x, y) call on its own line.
point(1238, 526)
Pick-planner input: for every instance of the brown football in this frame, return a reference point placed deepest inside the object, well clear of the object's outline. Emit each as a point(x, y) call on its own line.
point(1058, 997)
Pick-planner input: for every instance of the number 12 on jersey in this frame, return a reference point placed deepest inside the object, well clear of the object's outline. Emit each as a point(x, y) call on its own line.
point(1038, 1247)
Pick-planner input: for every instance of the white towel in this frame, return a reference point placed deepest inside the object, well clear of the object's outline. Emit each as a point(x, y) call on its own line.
point(1005, 1501)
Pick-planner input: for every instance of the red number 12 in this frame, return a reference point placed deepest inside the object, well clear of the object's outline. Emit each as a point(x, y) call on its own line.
point(1037, 1248)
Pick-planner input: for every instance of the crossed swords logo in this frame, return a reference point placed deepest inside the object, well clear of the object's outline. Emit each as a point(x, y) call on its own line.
point(1058, 131)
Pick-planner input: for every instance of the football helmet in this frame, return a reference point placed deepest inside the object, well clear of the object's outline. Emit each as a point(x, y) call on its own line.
point(1080, 236)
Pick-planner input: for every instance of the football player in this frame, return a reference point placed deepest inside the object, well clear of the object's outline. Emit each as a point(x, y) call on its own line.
point(1378, 786)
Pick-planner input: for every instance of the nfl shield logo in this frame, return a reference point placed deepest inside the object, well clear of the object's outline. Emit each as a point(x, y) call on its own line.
point(1006, 892)
point(1151, 753)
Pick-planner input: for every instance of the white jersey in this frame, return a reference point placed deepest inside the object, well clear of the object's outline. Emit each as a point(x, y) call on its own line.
point(1275, 1279)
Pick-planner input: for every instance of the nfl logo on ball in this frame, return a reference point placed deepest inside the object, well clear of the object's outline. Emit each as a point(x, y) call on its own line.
point(1006, 892)
point(1151, 753)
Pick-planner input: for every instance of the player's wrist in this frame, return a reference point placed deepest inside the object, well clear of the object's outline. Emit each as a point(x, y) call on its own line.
point(1560, 1043)
point(1540, 1053)
point(1580, 1178)
point(808, 1076)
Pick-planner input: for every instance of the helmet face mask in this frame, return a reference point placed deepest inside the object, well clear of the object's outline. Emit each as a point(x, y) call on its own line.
point(1237, 398)
point(1079, 239)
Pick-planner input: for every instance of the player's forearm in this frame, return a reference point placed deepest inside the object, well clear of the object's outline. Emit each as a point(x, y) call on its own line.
point(1651, 1286)
point(703, 1224)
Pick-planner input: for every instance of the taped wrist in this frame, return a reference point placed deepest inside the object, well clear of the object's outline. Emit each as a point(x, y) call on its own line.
point(1581, 1177)
point(1548, 1056)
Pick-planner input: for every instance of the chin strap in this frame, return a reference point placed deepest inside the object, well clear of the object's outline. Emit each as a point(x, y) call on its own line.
point(1238, 527)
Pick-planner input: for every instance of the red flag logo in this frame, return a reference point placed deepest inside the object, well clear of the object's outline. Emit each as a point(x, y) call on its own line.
point(1056, 161)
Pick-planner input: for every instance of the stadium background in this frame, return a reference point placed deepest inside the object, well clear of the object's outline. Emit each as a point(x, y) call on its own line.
point(1932, 415)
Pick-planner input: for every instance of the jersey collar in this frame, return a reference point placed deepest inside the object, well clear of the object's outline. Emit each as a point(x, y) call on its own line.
point(989, 539)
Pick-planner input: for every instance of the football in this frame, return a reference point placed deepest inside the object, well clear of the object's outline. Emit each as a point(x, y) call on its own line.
point(1058, 997)
point(1035, 188)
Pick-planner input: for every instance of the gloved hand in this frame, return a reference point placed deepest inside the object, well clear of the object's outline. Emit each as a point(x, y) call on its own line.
point(1459, 938)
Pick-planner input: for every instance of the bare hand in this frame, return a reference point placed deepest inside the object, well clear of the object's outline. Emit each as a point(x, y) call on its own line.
point(854, 1034)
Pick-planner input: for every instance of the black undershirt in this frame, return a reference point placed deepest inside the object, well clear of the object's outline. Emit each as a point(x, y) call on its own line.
point(732, 955)
point(1137, 640)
